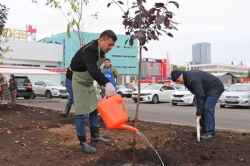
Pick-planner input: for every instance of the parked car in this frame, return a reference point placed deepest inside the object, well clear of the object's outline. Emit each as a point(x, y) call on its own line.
point(183, 96)
point(24, 87)
point(235, 95)
point(154, 93)
point(130, 87)
point(123, 91)
point(49, 89)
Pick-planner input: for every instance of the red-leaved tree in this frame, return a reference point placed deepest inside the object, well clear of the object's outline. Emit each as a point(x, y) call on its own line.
point(145, 24)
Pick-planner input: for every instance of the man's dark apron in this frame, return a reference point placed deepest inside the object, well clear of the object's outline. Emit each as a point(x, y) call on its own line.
point(84, 92)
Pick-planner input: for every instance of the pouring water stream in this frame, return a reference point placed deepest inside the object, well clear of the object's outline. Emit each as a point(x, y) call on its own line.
point(146, 140)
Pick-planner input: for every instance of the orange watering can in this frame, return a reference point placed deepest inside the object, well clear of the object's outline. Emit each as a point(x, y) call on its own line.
point(114, 113)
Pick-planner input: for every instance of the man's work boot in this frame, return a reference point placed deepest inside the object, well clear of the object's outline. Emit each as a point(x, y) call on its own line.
point(95, 136)
point(65, 112)
point(85, 147)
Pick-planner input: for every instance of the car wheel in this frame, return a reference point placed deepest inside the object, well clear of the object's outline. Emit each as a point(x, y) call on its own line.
point(174, 103)
point(120, 93)
point(27, 97)
point(194, 103)
point(135, 101)
point(155, 99)
point(48, 95)
point(222, 106)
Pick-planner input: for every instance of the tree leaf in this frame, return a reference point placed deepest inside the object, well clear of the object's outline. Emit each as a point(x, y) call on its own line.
point(126, 42)
point(131, 41)
point(108, 5)
point(169, 34)
point(120, 2)
point(127, 33)
point(159, 4)
point(175, 3)
point(151, 11)
point(145, 48)
point(166, 22)
point(169, 14)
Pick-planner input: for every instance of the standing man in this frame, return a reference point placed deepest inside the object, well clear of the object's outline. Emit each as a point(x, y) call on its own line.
point(13, 89)
point(111, 74)
point(207, 90)
point(86, 68)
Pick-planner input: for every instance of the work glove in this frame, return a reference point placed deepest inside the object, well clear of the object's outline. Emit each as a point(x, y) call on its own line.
point(110, 90)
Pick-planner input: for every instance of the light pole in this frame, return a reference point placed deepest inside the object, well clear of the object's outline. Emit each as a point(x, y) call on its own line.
point(127, 77)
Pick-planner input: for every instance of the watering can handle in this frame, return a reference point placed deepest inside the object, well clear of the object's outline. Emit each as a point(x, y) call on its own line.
point(124, 108)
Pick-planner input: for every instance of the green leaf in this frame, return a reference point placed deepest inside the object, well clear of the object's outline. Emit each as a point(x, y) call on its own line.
point(6, 50)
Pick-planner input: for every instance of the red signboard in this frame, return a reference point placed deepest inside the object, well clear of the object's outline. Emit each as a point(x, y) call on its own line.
point(164, 68)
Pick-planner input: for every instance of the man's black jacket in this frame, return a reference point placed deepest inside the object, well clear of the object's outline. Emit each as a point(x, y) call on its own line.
point(202, 84)
point(85, 59)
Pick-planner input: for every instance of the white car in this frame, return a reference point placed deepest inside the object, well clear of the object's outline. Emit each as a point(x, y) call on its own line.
point(236, 95)
point(154, 93)
point(183, 96)
point(49, 89)
point(123, 91)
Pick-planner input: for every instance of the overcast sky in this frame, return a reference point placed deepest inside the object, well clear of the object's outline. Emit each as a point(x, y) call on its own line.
point(223, 23)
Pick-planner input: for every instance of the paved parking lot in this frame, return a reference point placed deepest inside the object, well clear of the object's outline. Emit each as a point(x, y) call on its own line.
point(235, 118)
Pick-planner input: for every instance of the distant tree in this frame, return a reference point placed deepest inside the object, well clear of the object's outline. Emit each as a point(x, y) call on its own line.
point(238, 80)
point(3, 37)
point(3, 17)
point(182, 68)
point(75, 17)
point(144, 24)
point(248, 74)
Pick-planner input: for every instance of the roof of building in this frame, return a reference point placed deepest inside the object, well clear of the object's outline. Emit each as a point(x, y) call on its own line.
point(222, 74)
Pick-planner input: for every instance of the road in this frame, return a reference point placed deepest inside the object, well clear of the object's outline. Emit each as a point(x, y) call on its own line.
point(233, 118)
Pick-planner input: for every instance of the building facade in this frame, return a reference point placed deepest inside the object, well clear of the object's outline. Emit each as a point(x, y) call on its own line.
point(122, 56)
point(154, 70)
point(201, 53)
point(239, 71)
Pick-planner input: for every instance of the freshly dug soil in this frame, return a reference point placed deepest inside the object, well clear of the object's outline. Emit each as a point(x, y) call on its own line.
point(38, 136)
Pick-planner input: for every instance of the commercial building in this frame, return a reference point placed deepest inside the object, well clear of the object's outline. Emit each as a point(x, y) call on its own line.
point(201, 53)
point(155, 70)
point(122, 56)
point(54, 53)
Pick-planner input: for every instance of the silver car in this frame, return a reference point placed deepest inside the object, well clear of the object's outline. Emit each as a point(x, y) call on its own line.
point(235, 95)
point(123, 91)
point(49, 89)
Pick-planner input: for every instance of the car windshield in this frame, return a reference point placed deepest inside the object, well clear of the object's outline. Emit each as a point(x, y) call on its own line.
point(51, 83)
point(153, 87)
point(238, 88)
point(122, 86)
point(182, 88)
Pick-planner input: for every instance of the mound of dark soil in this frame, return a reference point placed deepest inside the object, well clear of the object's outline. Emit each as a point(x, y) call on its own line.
point(37, 136)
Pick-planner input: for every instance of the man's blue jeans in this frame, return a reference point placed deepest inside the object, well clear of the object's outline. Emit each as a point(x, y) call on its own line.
point(81, 122)
point(68, 85)
point(208, 118)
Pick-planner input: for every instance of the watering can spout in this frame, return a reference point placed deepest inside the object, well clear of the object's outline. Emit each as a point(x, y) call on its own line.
point(127, 127)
